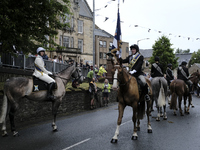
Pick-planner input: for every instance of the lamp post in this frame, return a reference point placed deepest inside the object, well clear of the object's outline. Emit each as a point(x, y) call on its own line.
point(141, 40)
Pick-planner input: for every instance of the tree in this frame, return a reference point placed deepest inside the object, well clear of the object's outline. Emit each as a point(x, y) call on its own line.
point(195, 58)
point(28, 24)
point(162, 49)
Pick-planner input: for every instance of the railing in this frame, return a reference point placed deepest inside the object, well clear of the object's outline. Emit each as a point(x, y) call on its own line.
point(27, 62)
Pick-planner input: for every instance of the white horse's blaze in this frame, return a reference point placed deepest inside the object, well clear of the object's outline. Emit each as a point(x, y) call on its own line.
point(116, 133)
point(115, 80)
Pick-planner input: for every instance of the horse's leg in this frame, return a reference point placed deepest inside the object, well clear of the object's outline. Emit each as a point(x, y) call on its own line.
point(161, 112)
point(189, 103)
point(55, 106)
point(149, 129)
point(120, 115)
point(158, 115)
point(165, 113)
point(179, 103)
point(12, 122)
point(134, 118)
point(138, 125)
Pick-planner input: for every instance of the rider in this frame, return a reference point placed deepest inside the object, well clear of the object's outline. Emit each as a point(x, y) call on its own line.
point(43, 74)
point(183, 74)
point(157, 68)
point(135, 61)
point(169, 74)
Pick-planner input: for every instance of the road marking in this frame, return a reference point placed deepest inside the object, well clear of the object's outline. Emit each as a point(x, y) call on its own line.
point(77, 144)
point(125, 122)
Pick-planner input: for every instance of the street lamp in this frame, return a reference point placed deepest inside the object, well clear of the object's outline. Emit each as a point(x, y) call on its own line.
point(141, 40)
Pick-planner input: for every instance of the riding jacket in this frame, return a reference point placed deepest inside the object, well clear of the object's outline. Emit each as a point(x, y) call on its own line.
point(169, 74)
point(157, 70)
point(182, 73)
point(40, 71)
point(137, 65)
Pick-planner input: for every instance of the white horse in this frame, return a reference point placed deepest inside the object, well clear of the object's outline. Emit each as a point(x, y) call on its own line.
point(159, 88)
point(17, 88)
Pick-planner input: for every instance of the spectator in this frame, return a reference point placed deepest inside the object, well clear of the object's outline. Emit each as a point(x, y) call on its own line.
point(101, 72)
point(93, 92)
point(55, 59)
point(106, 90)
point(60, 59)
point(87, 66)
point(45, 57)
point(90, 75)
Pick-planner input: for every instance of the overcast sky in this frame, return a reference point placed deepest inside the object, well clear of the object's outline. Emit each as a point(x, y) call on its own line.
point(176, 19)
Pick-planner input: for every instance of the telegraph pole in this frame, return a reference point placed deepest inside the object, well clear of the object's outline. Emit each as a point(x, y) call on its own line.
point(94, 54)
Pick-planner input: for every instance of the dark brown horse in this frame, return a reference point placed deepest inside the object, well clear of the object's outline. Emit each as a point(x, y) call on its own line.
point(128, 95)
point(180, 89)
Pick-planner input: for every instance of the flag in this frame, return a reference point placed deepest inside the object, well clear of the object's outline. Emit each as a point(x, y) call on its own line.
point(117, 41)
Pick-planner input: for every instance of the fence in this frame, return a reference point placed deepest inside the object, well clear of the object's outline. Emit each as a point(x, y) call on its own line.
point(27, 62)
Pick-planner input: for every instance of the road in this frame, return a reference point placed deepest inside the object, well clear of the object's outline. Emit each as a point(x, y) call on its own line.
point(93, 130)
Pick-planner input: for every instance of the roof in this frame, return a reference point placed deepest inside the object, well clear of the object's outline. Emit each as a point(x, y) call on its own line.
point(147, 53)
point(85, 9)
point(183, 57)
point(100, 32)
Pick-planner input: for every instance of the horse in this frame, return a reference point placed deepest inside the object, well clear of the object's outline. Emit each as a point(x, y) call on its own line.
point(17, 88)
point(180, 89)
point(128, 95)
point(159, 88)
point(195, 77)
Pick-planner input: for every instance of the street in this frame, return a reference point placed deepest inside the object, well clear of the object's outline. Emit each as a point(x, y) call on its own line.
point(93, 130)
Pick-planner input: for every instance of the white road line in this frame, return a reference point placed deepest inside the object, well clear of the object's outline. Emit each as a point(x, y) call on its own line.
point(77, 144)
point(125, 122)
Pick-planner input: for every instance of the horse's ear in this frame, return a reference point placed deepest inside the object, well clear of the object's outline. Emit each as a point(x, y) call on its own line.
point(120, 62)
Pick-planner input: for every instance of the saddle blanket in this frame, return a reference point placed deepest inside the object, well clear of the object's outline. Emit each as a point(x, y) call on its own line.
point(39, 85)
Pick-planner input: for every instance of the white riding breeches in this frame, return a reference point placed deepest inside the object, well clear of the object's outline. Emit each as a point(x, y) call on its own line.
point(142, 78)
point(46, 78)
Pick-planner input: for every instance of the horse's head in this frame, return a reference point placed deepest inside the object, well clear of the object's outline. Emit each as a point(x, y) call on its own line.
point(195, 77)
point(77, 74)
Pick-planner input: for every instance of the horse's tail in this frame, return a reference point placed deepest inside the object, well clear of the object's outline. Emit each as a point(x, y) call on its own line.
point(4, 108)
point(161, 97)
point(173, 104)
point(141, 110)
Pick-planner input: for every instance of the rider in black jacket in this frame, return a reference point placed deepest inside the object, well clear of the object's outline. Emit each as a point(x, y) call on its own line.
point(157, 69)
point(183, 74)
point(169, 74)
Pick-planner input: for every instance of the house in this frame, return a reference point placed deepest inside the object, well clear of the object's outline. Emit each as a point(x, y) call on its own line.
point(194, 68)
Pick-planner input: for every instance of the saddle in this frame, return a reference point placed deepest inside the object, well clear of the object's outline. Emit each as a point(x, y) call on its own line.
point(139, 82)
point(40, 85)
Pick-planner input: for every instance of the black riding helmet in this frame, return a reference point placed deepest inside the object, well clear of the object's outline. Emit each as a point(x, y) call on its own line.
point(157, 58)
point(184, 63)
point(135, 46)
point(169, 65)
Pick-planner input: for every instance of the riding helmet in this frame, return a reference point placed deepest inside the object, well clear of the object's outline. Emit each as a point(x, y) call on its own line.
point(184, 63)
point(169, 65)
point(135, 47)
point(40, 49)
point(157, 58)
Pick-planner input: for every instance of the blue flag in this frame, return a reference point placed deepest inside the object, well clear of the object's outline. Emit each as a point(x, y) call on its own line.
point(117, 41)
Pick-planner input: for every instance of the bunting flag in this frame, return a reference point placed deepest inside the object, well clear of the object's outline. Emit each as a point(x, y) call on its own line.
point(117, 41)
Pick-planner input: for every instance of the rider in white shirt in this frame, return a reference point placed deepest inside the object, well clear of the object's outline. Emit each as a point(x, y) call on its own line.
point(43, 74)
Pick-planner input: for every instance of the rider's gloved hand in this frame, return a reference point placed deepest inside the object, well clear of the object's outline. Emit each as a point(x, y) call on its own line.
point(133, 71)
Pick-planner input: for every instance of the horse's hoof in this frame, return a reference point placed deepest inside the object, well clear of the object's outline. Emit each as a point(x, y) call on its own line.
point(138, 128)
point(15, 134)
point(55, 130)
point(157, 119)
point(113, 141)
point(165, 118)
point(134, 137)
point(149, 130)
point(4, 134)
point(192, 106)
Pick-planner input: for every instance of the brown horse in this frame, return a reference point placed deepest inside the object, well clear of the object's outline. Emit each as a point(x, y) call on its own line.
point(180, 89)
point(128, 95)
point(17, 88)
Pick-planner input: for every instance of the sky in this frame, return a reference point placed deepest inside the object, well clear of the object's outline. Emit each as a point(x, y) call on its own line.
point(176, 19)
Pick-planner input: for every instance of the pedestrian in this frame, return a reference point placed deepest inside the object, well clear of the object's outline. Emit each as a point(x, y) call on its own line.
point(106, 90)
point(55, 59)
point(183, 74)
point(157, 68)
point(87, 66)
point(60, 59)
point(90, 75)
point(92, 92)
point(41, 73)
point(135, 61)
point(102, 71)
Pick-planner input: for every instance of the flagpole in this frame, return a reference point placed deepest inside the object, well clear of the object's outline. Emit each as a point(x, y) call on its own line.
point(94, 39)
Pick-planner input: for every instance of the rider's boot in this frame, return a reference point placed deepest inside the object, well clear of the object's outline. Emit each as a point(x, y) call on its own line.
point(190, 88)
point(146, 97)
point(50, 96)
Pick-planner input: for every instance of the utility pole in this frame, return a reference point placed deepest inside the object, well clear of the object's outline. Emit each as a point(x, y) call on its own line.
point(94, 54)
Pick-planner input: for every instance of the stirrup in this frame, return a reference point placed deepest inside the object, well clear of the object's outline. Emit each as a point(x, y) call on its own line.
point(147, 98)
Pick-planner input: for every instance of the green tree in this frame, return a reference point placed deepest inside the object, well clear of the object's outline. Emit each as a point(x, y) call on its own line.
point(195, 58)
point(28, 24)
point(179, 51)
point(162, 49)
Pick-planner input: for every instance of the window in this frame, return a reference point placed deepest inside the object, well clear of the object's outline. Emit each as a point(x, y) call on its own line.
point(100, 55)
point(80, 44)
point(104, 43)
point(80, 26)
point(100, 44)
point(72, 22)
point(111, 44)
point(72, 42)
point(60, 40)
point(66, 41)
point(104, 55)
point(127, 50)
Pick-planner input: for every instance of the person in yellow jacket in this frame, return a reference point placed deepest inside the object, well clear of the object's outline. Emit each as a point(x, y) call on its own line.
point(102, 71)
point(106, 90)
